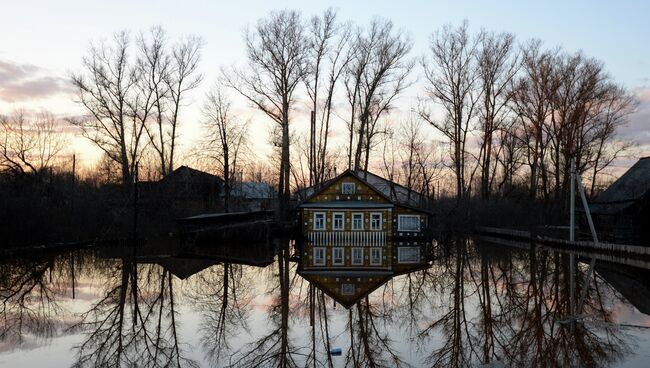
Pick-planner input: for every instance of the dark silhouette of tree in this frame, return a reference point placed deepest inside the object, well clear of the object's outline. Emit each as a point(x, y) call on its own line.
point(276, 50)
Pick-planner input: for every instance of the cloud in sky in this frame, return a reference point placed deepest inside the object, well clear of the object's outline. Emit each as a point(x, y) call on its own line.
point(638, 128)
point(24, 82)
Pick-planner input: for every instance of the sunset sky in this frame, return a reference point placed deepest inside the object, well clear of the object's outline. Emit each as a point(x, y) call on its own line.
point(41, 42)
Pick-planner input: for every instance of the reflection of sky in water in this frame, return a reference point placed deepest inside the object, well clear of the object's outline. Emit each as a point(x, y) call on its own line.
point(393, 312)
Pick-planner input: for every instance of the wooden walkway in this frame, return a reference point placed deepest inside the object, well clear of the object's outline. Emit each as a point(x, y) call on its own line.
point(563, 243)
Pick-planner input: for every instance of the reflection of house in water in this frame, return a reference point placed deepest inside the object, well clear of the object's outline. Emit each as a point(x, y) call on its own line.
point(621, 213)
point(632, 282)
point(349, 285)
point(358, 231)
point(191, 259)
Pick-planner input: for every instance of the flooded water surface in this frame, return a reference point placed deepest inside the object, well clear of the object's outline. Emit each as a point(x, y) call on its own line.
point(461, 302)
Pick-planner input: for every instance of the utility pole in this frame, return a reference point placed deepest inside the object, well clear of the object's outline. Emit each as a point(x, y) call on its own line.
point(572, 221)
point(135, 209)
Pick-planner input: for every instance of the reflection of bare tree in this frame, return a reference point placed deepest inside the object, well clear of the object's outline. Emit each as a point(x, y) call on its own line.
point(542, 338)
point(516, 305)
point(274, 348)
point(223, 296)
point(135, 323)
point(454, 323)
point(371, 344)
point(28, 300)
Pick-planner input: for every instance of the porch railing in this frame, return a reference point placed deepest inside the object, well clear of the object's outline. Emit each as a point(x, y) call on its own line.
point(347, 238)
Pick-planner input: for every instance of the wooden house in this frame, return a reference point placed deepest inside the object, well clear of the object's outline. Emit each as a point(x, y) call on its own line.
point(361, 223)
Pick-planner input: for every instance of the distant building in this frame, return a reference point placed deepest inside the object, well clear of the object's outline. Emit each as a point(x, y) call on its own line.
point(253, 196)
point(352, 225)
point(622, 212)
point(186, 188)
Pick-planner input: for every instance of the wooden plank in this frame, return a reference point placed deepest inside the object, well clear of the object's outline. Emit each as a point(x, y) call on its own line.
point(578, 244)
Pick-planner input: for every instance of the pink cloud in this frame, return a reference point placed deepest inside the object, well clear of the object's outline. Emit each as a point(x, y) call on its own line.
point(21, 82)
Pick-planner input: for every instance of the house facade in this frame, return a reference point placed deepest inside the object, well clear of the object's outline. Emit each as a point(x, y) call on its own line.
point(351, 224)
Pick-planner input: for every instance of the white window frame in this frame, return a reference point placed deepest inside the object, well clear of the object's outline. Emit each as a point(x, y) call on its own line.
point(324, 219)
point(372, 227)
point(334, 251)
point(321, 260)
point(348, 184)
point(354, 260)
point(372, 259)
point(357, 214)
point(334, 214)
point(399, 223)
point(401, 255)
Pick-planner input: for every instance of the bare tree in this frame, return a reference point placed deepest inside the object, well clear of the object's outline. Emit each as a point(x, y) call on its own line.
point(498, 65)
point(28, 145)
point(376, 76)
point(134, 97)
point(167, 74)
point(108, 90)
point(532, 104)
point(183, 77)
point(452, 82)
point(328, 52)
point(226, 138)
point(276, 51)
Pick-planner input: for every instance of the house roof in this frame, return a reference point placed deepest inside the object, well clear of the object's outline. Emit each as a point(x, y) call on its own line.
point(391, 191)
point(362, 290)
point(627, 190)
point(397, 193)
point(188, 174)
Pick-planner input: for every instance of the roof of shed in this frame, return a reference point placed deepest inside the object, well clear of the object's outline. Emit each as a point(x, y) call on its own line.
point(627, 190)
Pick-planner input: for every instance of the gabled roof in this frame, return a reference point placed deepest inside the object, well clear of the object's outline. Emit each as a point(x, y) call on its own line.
point(627, 190)
point(387, 189)
point(361, 289)
point(188, 174)
point(315, 190)
point(181, 267)
point(396, 192)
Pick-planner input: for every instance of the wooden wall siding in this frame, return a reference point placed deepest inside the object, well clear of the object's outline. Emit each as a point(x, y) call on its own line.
point(308, 219)
point(308, 255)
point(362, 192)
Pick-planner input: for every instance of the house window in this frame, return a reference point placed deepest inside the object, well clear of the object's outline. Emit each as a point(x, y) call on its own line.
point(357, 221)
point(347, 188)
point(337, 221)
point(408, 254)
point(347, 289)
point(357, 256)
point(408, 223)
point(319, 256)
point(319, 221)
point(375, 221)
point(375, 256)
point(337, 256)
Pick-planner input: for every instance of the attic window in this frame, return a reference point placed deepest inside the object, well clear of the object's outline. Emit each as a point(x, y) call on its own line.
point(347, 188)
point(347, 289)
